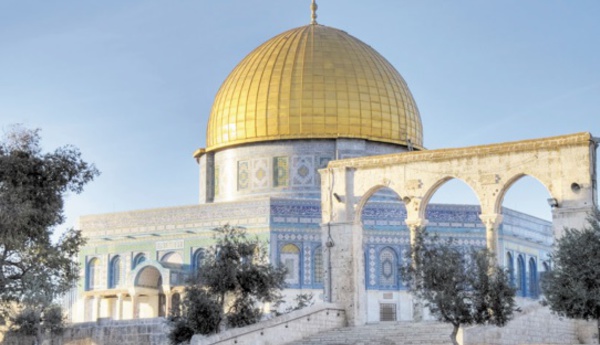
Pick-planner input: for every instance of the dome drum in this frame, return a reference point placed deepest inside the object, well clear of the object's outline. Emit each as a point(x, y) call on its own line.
point(285, 168)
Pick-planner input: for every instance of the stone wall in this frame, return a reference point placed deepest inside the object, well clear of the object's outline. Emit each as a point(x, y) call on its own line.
point(533, 325)
point(105, 332)
point(281, 330)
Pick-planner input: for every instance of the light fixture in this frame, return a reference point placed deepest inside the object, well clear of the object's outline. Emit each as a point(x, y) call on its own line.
point(337, 197)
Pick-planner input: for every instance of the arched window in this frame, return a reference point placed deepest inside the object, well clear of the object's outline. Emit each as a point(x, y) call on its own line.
point(141, 257)
point(510, 265)
point(93, 271)
point(114, 272)
point(290, 258)
point(388, 268)
point(197, 260)
point(521, 277)
point(533, 279)
point(318, 266)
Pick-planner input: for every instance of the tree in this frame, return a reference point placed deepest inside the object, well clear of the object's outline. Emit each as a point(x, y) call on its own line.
point(38, 321)
point(34, 270)
point(233, 279)
point(572, 287)
point(458, 288)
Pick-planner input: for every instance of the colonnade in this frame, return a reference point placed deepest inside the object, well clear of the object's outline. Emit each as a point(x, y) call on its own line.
point(565, 165)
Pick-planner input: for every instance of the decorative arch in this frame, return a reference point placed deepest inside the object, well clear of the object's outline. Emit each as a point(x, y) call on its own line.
point(172, 258)
point(388, 268)
point(138, 259)
point(115, 272)
point(510, 266)
point(197, 258)
point(533, 278)
point(93, 274)
point(521, 277)
point(149, 277)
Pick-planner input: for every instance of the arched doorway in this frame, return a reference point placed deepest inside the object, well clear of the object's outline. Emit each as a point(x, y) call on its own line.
point(150, 299)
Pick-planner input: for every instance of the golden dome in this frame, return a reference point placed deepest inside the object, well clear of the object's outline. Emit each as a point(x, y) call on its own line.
point(313, 82)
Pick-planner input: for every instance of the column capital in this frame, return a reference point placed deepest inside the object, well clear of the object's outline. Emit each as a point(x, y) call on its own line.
point(416, 222)
point(491, 220)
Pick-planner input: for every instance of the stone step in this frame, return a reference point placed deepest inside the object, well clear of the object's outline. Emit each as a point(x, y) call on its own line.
point(384, 333)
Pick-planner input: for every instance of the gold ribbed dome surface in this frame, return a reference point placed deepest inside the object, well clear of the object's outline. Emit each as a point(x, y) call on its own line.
point(313, 82)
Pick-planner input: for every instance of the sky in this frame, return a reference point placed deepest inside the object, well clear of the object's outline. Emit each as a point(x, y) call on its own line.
point(131, 83)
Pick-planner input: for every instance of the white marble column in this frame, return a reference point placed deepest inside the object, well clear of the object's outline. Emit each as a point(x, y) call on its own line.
point(120, 306)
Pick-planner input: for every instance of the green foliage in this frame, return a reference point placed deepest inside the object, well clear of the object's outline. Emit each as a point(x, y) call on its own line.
point(233, 279)
point(572, 288)
point(36, 321)
point(32, 186)
point(459, 288)
point(34, 270)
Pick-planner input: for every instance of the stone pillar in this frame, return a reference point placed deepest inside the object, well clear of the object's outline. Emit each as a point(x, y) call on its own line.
point(168, 303)
point(492, 221)
point(414, 226)
point(135, 308)
point(119, 306)
point(97, 305)
point(345, 269)
point(343, 242)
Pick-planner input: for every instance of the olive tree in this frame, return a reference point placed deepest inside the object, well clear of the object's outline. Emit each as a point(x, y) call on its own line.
point(460, 288)
point(572, 287)
point(233, 279)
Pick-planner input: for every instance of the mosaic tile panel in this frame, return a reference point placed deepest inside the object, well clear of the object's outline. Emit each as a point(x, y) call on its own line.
point(243, 175)
point(307, 264)
point(281, 171)
point(260, 173)
point(303, 168)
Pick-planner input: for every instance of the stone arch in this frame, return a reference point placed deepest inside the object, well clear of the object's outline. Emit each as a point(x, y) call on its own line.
point(384, 207)
point(435, 187)
point(509, 183)
point(367, 196)
point(149, 277)
point(172, 258)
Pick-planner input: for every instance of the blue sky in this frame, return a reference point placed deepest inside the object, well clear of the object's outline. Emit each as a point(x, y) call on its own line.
point(131, 83)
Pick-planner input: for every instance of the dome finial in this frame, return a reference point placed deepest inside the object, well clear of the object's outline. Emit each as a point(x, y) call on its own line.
point(313, 10)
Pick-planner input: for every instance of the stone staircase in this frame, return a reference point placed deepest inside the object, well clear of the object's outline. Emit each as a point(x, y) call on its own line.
point(384, 333)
